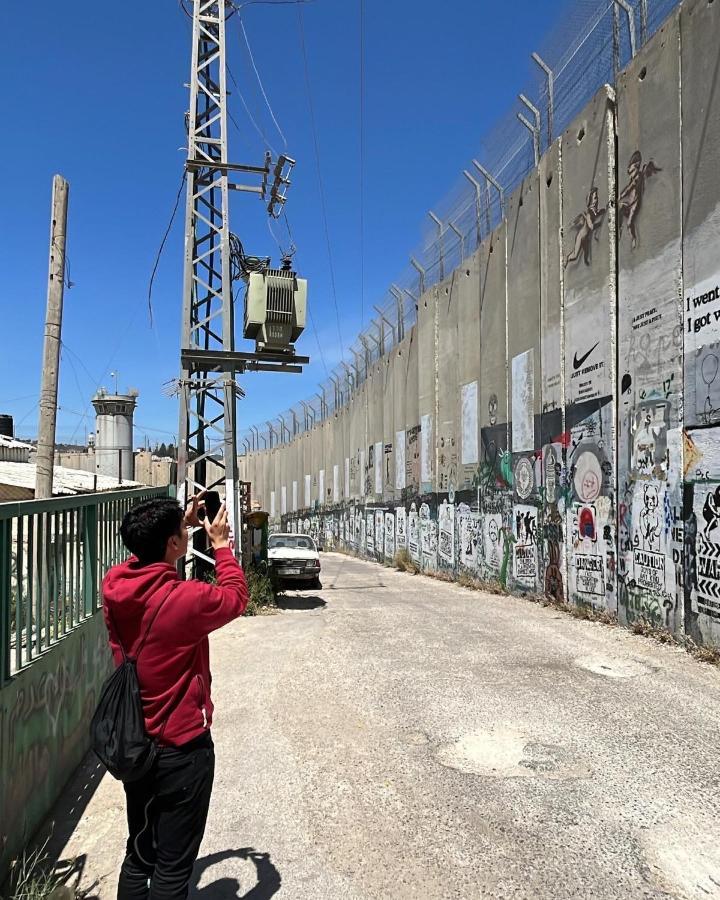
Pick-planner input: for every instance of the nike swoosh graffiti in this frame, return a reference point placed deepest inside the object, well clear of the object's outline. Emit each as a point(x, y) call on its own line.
point(578, 362)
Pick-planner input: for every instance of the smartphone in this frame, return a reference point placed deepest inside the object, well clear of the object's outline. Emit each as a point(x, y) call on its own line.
point(212, 504)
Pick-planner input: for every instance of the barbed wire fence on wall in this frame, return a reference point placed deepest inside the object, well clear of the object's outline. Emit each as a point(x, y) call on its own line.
point(588, 48)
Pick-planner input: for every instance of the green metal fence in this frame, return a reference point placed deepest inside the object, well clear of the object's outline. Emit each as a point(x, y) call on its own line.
point(52, 557)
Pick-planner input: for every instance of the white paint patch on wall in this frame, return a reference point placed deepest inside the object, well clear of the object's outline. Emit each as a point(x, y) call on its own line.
point(426, 445)
point(523, 398)
point(283, 500)
point(399, 460)
point(378, 467)
point(347, 477)
point(272, 504)
point(336, 483)
point(308, 492)
point(321, 486)
point(362, 473)
point(294, 496)
point(469, 423)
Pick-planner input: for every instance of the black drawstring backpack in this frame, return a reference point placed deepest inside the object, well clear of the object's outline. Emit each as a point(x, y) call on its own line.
point(117, 729)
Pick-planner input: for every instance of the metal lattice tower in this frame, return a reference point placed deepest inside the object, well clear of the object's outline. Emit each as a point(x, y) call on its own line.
point(207, 455)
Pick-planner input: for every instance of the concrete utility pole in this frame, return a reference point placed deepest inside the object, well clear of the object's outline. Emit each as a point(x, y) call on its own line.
point(51, 350)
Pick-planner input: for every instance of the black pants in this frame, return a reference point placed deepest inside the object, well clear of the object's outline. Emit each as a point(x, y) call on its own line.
point(167, 811)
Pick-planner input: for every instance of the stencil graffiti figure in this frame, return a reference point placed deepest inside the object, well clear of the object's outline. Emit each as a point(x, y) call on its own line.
point(492, 409)
point(631, 196)
point(586, 224)
point(650, 521)
point(711, 511)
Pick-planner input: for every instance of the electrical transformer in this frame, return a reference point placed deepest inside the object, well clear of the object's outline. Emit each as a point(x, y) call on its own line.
point(275, 308)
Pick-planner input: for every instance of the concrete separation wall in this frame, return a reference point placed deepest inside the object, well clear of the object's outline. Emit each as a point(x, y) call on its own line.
point(552, 422)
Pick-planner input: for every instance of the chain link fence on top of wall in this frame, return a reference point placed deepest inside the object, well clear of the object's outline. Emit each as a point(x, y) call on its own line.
point(588, 48)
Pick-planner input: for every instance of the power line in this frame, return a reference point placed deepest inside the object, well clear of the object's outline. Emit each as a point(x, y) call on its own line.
point(255, 125)
point(259, 80)
point(319, 172)
point(162, 244)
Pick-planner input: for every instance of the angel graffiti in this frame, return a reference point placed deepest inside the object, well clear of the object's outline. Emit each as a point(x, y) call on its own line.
point(631, 196)
point(586, 224)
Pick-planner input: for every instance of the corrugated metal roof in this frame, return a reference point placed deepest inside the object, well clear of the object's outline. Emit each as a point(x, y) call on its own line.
point(65, 481)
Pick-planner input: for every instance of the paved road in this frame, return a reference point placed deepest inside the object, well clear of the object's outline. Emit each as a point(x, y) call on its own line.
point(397, 737)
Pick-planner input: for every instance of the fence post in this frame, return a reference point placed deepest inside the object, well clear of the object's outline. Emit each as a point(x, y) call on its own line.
point(90, 558)
point(5, 597)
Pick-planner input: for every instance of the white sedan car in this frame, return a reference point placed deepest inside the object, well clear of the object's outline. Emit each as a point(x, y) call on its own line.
point(294, 557)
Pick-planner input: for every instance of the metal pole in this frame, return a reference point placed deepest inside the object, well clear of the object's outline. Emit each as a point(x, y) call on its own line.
point(496, 184)
point(51, 349)
point(478, 204)
point(630, 13)
point(386, 322)
point(462, 239)
point(400, 303)
point(535, 136)
point(421, 272)
point(536, 129)
point(439, 224)
point(551, 93)
point(643, 21)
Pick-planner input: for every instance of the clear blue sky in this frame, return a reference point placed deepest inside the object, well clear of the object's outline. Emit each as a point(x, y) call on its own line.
point(96, 92)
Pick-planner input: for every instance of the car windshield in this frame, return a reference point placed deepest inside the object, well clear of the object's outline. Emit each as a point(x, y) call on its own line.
point(291, 541)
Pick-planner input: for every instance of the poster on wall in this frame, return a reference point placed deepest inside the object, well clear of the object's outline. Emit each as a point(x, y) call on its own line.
point(294, 496)
point(469, 528)
point(523, 401)
point(525, 558)
point(272, 504)
point(401, 528)
point(587, 347)
point(308, 492)
point(283, 500)
point(492, 541)
point(389, 535)
point(469, 423)
point(426, 448)
point(705, 597)
point(414, 533)
point(378, 454)
point(379, 530)
point(446, 533)
point(321, 487)
point(400, 472)
point(428, 537)
point(370, 531)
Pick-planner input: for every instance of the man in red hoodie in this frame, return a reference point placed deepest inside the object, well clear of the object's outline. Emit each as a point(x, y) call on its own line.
point(149, 609)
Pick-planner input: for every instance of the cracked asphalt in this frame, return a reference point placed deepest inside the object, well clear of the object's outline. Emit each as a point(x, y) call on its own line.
point(395, 736)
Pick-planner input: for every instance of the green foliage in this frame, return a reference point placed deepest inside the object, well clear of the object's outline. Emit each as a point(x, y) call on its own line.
point(34, 877)
point(262, 592)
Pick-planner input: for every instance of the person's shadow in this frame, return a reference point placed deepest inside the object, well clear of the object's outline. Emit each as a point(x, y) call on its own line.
point(226, 888)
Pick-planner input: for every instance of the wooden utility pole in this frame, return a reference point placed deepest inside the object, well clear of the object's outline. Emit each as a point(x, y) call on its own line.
point(51, 351)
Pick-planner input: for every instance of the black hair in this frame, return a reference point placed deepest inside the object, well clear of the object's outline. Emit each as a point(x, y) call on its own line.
point(147, 528)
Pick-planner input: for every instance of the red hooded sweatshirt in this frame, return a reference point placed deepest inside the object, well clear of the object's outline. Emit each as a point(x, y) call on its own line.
point(174, 664)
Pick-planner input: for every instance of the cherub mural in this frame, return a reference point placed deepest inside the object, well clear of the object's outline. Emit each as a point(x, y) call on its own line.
point(586, 224)
point(631, 196)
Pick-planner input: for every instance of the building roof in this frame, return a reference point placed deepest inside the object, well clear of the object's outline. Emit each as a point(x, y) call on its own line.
point(65, 481)
point(6, 441)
